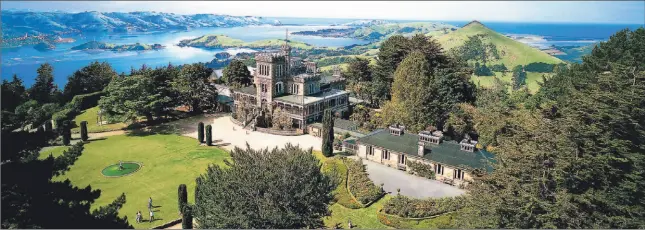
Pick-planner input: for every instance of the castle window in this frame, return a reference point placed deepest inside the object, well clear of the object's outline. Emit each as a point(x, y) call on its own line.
point(401, 159)
point(278, 87)
point(264, 88)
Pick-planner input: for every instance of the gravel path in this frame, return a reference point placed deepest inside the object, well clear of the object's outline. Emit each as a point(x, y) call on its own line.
point(410, 185)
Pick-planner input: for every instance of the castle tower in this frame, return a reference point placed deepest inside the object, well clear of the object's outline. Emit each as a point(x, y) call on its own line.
point(286, 51)
point(270, 76)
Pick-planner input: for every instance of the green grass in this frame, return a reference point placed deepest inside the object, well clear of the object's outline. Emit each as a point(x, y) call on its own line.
point(364, 218)
point(168, 161)
point(532, 80)
point(223, 41)
point(90, 115)
point(511, 52)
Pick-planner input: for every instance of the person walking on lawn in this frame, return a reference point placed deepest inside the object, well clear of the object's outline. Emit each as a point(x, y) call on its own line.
point(150, 203)
point(152, 216)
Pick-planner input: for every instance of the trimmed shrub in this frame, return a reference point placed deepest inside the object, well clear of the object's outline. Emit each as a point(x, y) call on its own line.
point(327, 134)
point(359, 183)
point(84, 136)
point(338, 170)
point(76, 106)
point(187, 217)
point(421, 169)
point(539, 67)
point(406, 207)
point(182, 197)
point(48, 126)
point(200, 132)
point(209, 135)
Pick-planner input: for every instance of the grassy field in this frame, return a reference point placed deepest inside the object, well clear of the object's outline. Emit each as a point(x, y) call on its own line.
point(168, 161)
point(223, 41)
point(532, 80)
point(511, 52)
point(90, 115)
point(364, 218)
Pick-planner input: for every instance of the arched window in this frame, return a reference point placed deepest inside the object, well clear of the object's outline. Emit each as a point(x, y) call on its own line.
point(278, 87)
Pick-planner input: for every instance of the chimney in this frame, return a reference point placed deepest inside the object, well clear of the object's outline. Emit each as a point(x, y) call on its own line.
point(397, 130)
point(422, 148)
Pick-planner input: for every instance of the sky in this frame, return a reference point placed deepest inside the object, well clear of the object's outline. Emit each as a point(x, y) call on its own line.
point(619, 12)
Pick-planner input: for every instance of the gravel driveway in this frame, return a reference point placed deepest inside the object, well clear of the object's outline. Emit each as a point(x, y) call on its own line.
point(410, 185)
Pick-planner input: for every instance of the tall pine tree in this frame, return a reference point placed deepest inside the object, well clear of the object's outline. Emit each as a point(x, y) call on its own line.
point(328, 134)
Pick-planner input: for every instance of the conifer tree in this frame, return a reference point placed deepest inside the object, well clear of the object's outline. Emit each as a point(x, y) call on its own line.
point(200, 132)
point(84, 136)
point(209, 135)
point(328, 134)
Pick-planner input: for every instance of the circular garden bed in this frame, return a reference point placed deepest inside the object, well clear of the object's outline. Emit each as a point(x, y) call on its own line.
point(114, 171)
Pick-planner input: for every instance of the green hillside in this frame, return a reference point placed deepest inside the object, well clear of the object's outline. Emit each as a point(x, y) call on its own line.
point(223, 41)
point(511, 52)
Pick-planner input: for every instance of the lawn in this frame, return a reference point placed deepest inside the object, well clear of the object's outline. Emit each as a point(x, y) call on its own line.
point(168, 161)
point(90, 115)
point(361, 218)
point(533, 80)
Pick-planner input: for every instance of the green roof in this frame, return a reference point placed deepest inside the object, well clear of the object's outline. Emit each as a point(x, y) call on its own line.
point(247, 90)
point(448, 152)
point(224, 99)
point(343, 126)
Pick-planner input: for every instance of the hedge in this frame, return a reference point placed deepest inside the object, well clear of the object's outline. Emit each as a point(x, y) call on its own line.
point(359, 184)
point(421, 169)
point(444, 221)
point(209, 135)
point(77, 105)
point(406, 207)
point(338, 169)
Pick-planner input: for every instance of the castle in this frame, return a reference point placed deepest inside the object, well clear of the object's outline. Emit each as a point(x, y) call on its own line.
point(280, 81)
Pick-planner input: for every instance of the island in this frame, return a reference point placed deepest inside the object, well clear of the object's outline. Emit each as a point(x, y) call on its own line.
point(95, 45)
point(221, 41)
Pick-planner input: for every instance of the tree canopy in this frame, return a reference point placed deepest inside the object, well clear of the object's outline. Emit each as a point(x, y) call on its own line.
point(194, 89)
point(132, 96)
point(575, 157)
point(280, 188)
point(89, 79)
point(236, 73)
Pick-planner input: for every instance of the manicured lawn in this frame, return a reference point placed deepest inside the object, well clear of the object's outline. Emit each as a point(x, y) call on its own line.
point(168, 160)
point(90, 115)
point(361, 218)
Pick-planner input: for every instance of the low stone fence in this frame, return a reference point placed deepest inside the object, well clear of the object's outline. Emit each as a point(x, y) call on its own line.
point(279, 132)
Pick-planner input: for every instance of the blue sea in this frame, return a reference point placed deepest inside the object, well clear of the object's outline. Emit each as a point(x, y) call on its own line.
point(24, 61)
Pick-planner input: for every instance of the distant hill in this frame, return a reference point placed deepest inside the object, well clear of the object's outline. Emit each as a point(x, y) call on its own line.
point(511, 52)
point(94, 45)
point(17, 23)
point(223, 41)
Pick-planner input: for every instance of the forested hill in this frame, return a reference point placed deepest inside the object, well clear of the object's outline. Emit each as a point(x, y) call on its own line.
point(510, 52)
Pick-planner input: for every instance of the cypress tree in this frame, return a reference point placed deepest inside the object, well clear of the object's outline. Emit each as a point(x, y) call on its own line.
point(209, 135)
point(84, 136)
point(200, 132)
point(328, 134)
point(187, 217)
point(66, 132)
point(48, 126)
point(182, 197)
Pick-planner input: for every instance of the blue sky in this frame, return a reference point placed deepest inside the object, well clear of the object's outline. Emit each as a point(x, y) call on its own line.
point(631, 12)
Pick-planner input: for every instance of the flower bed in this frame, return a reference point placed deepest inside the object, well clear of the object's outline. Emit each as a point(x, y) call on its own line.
point(360, 185)
point(421, 169)
point(406, 207)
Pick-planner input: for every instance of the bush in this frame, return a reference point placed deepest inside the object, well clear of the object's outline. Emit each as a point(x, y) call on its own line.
point(499, 68)
point(338, 170)
point(482, 70)
point(84, 136)
point(76, 106)
point(539, 67)
point(403, 206)
point(200, 132)
point(209, 135)
point(359, 183)
point(421, 169)
point(187, 217)
point(48, 126)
